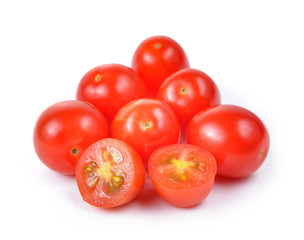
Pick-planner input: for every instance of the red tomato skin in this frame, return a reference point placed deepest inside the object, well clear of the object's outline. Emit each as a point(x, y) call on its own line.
point(109, 87)
point(128, 125)
point(183, 197)
point(65, 126)
point(237, 138)
point(156, 58)
point(137, 169)
point(200, 92)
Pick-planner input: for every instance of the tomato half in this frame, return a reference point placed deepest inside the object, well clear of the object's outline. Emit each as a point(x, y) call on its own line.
point(110, 173)
point(109, 87)
point(146, 124)
point(156, 58)
point(187, 92)
point(182, 174)
point(236, 137)
point(64, 130)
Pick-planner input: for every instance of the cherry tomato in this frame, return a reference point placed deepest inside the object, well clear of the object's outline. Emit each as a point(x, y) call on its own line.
point(109, 87)
point(236, 137)
point(64, 130)
point(146, 124)
point(110, 173)
point(156, 58)
point(187, 92)
point(182, 174)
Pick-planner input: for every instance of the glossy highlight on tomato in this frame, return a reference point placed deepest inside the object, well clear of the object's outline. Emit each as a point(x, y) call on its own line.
point(146, 124)
point(156, 58)
point(110, 173)
point(64, 130)
point(109, 87)
point(187, 92)
point(182, 174)
point(236, 137)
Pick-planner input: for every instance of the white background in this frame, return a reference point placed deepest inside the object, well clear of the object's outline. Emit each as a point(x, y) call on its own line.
point(252, 49)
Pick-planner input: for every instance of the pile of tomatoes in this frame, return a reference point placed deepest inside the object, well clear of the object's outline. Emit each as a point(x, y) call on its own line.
point(127, 121)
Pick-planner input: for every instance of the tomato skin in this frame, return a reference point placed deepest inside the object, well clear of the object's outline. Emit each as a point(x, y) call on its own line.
point(131, 165)
point(146, 124)
point(65, 127)
point(235, 136)
point(109, 87)
point(156, 58)
point(185, 193)
point(183, 197)
point(187, 92)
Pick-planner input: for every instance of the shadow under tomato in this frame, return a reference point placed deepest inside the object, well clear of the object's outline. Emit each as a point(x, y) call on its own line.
point(228, 191)
point(148, 193)
point(220, 180)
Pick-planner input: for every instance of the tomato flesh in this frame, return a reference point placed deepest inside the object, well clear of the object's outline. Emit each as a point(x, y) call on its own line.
point(110, 173)
point(182, 174)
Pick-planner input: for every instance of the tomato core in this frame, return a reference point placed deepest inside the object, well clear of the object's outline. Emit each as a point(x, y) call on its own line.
point(103, 170)
point(181, 164)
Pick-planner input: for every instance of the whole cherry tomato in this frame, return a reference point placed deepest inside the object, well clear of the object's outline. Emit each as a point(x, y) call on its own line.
point(182, 174)
point(110, 173)
point(109, 87)
point(156, 58)
point(236, 137)
point(146, 124)
point(187, 92)
point(64, 130)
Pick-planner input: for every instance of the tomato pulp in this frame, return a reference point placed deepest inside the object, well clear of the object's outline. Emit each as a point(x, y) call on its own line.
point(110, 173)
point(182, 174)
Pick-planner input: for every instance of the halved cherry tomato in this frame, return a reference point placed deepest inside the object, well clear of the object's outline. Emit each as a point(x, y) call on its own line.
point(236, 137)
point(156, 58)
point(110, 173)
point(110, 86)
point(64, 130)
point(187, 92)
point(182, 174)
point(146, 124)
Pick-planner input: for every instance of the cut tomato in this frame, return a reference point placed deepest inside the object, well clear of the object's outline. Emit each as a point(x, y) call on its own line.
point(110, 173)
point(182, 174)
